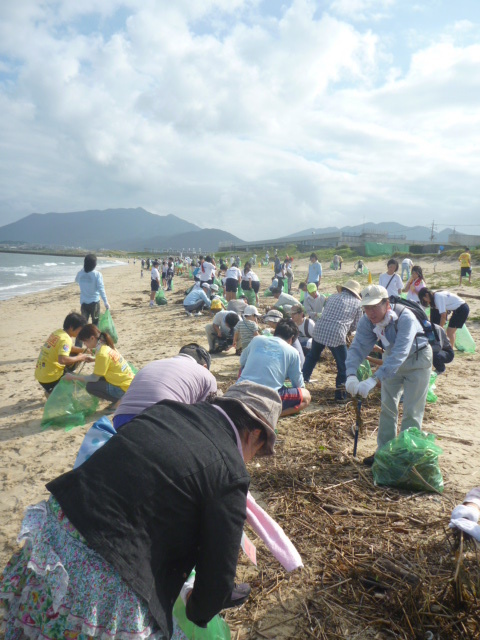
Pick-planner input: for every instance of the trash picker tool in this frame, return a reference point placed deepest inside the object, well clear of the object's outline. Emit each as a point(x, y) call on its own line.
point(358, 425)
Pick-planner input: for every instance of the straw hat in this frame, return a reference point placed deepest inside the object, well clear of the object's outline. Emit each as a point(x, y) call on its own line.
point(353, 286)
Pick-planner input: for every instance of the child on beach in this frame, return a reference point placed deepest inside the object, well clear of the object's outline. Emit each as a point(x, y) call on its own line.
point(415, 284)
point(391, 280)
point(111, 374)
point(246, 329)
point(92, 289)
point(55, 354)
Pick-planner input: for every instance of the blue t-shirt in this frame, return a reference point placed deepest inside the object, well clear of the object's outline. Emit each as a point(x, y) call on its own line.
point(314, 272)
point(270, 361)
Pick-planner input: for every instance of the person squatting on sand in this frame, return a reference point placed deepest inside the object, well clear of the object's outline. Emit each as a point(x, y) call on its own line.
point(313, 302)
point(197, 300)
point(270, 361)
point(407, 363)
point(111, 548)
point(92, 289)
point(246, 329)
point(111, 375)
point(220, 331)
point(54, 359)
point(184, 378)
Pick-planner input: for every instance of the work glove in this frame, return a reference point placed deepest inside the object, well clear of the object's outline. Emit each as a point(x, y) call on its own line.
point(366, 386)
point(352, 385)
point(467, 526)
point(187, 588)
point(107, 306)
point(467, 512)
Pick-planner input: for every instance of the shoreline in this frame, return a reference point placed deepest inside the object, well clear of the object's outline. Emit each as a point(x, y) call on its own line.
point(38, 252)
point(59, 285)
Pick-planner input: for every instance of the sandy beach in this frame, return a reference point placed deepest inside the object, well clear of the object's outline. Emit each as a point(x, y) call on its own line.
point(30, 457)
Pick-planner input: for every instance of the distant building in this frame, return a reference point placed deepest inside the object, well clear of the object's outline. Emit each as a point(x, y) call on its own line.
point(463, 239)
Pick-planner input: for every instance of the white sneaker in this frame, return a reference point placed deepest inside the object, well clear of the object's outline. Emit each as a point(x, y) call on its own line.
point(199, 313)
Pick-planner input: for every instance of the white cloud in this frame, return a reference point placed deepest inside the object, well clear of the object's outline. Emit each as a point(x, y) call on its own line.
point(269, 123)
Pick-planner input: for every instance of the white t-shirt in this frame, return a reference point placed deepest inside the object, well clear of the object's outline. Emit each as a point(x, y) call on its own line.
point(446, 301)
point(407, 262)
point(234, 273)
point(250, 276)
point(394, 283)
point(207, 271)
point(155, 275)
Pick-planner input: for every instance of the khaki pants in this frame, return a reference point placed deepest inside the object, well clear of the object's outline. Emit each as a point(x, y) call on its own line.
point(412, 379)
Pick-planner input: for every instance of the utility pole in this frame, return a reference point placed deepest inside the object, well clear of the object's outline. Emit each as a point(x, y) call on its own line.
point(432, 234)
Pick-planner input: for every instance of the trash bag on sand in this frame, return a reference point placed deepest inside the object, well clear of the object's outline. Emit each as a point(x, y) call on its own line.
point(160, 298)
point(409, 461)
point(69, 405)
point(106, 325)
point(431, 395)
point(464, 341)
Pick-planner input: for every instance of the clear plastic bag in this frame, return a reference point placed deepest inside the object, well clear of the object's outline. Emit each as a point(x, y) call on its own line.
point(69, 405)
point(106, 325)
point(409, 461)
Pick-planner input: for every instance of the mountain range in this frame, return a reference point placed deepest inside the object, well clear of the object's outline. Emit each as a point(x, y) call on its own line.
point(119, 229)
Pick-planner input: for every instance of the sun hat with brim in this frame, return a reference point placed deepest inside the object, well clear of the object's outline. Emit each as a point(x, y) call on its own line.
point(373, 294)
point(273, 316)
point(261, 403)
point(311, 287)
point(214, 287)
point(353, 286)
point(250, 310)
point(297, 308)
point(206, 285)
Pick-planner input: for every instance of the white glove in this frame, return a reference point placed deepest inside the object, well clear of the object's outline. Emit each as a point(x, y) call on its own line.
point(366, 386)
point(107, 306)
point(351, 385)
point(467, 526)
point(187, 588)
point(464, 511)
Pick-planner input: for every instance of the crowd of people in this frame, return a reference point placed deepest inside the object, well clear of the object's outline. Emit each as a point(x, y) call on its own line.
point(157, 511)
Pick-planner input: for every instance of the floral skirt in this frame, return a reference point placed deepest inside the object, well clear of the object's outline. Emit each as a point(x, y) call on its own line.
point(56, 587)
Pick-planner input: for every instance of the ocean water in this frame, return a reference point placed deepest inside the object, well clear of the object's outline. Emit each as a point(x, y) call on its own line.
point(23, 273)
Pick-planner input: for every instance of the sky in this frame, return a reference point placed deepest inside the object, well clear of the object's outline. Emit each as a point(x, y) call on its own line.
point(259, 117)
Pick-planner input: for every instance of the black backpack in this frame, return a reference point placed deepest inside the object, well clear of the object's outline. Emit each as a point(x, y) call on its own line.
point(400, 304)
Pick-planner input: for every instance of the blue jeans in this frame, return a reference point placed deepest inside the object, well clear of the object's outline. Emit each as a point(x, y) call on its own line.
point(340, 355)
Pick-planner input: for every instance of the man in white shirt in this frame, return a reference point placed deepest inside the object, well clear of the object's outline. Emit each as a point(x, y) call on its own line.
point(154, 282)
point(221, 330)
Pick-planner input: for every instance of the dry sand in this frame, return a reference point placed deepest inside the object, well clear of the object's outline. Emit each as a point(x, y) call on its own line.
point(30, 457)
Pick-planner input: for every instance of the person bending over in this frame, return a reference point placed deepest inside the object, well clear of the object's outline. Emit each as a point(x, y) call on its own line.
point(406, 368)
point(271, 360)
point(220, 331)
point(441, 304)
point(55, 358)
point(111, 374)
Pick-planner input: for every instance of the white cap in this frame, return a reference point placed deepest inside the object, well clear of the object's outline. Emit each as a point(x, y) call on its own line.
point(206, 285)
point(373, 294)
point(250, 310)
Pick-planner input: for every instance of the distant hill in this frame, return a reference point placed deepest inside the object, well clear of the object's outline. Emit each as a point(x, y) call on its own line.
point(418, 234)
point(123, 229)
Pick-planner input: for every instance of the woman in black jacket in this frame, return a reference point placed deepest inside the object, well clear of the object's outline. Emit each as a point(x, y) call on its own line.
point(110, 550)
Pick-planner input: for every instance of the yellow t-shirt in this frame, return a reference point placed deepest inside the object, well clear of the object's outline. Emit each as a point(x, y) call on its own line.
point(48, 368)
point(112, 366)
point(464, 259)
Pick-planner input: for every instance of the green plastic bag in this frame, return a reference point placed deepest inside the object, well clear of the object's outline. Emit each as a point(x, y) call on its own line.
point(365, 270)
point(364, 371)
point(190, 274)
point(267, 293)
point(106, 325)
point(217, 628)
point(160, 298)
point(302, 296)
point(250, 293)
point(464, 341)
point(68, 405)
point(409, 461)
point(285, 286)
point(332, 266)
point(431, 396)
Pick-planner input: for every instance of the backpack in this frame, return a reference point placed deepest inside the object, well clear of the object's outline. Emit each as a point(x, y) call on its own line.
point(400, 304)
